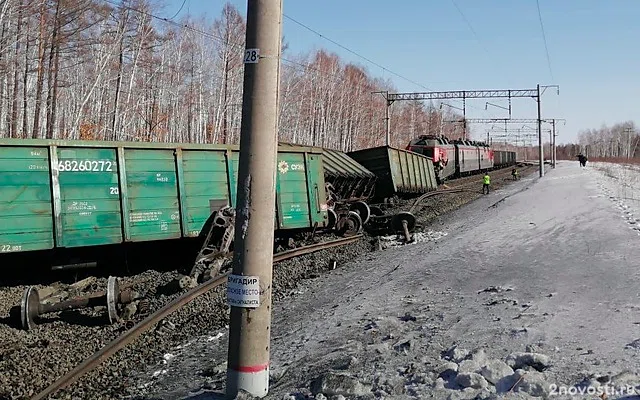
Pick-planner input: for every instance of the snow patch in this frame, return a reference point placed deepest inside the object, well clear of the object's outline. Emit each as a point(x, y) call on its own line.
point(621, 185)
point(216, 337)
point(159, 372)
point(418, 237)
point(167, 357)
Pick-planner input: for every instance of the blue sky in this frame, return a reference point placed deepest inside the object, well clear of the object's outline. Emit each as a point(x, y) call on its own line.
point(593, 46)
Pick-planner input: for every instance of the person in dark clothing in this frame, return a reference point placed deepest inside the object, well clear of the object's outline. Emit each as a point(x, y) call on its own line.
point(582, 159)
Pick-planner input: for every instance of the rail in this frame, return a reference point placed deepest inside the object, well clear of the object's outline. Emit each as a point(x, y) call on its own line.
point(474, 179)
point(126, 338)
point(415, 204)
point(458, 188)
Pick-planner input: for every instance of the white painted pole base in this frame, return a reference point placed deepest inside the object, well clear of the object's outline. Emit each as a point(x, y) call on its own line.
point(255, 383)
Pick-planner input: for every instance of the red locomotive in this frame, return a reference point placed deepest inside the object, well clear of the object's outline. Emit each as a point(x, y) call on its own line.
point(456, 158)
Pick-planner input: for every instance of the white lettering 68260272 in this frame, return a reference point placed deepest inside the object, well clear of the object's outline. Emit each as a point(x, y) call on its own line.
point(85, 165)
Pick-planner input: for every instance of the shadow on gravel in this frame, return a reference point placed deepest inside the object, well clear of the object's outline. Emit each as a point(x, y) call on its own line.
point(75, 317)
point(206, 396)
point(9, 322)
point(199, 396)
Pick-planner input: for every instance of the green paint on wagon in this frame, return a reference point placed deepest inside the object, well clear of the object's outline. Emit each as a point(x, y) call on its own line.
point(152, 194)
point(79, 193)
point(398, 171)
point(26, 215)
point(233, 165)
point(292, 196)
point(205, 181)
point(316, 190)
point(89, 197)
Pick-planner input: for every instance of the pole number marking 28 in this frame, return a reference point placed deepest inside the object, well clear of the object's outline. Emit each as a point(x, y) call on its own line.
point(85, 166)
point(251, 56)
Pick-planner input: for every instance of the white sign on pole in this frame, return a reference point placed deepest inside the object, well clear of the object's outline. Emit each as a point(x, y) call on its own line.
point(243, 291)
point(251, 56)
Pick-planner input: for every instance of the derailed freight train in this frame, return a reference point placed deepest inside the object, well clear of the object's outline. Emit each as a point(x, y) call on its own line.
point(58, 196)
point(457, 158)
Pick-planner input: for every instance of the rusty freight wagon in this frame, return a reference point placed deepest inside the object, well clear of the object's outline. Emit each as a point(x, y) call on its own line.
point(398, 172)
point(73, 194)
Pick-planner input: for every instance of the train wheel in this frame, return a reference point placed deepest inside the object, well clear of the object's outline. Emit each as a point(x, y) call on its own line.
point(29, 308)
point(113, 291)
point(349, 224)
point(362, 209)
point(396, 221)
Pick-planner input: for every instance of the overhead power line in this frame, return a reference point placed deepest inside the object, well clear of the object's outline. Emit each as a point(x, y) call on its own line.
point(544, 38)
point(307, 68)
point(371, 61)
point(181, 7)
point(354, 52)
point(209, 35)
point(294, 64)
point(473, 31)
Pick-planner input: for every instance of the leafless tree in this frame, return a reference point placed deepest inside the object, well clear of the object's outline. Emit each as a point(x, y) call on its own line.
point(95, 70)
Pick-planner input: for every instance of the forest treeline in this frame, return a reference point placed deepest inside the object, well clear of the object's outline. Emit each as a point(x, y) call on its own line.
point(618, 142)
point(115, 70)
point(110, 70)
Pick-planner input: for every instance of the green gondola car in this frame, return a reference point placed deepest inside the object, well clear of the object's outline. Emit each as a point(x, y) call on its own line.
point(69, 194)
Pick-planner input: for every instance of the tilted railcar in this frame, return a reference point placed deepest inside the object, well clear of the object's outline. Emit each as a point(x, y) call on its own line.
point(66, 194)
point(72, 197)
point(399, 172)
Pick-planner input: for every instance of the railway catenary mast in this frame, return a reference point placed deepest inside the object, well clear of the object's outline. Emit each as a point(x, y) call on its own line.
point(481, 94)
point(250, 319)
point(506, 121)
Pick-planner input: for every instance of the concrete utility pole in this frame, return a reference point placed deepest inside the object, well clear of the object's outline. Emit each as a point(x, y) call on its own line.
point(249, 286)
point(551, 147)
point(387, 117)
point(540, 146)
point(553, 144)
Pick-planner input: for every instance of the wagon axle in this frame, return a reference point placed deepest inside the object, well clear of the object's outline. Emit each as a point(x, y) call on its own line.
point(404, 222)
point(31, 308)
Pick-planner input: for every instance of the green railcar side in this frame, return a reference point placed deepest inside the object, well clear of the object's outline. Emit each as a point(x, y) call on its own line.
point(56, 194)
point(26, 216)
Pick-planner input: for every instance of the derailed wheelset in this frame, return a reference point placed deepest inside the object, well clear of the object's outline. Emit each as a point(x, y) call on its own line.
point(345, 223)
point(350, 218)
point(402, 223)
point(31, 308)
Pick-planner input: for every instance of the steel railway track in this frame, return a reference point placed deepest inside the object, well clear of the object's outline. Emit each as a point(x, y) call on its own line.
point(129, 336)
